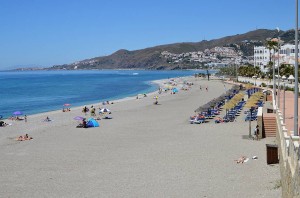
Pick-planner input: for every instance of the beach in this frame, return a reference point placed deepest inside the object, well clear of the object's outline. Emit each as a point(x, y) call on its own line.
point(146, 150)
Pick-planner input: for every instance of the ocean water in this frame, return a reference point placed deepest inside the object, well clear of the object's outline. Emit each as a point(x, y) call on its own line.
point(39, 91)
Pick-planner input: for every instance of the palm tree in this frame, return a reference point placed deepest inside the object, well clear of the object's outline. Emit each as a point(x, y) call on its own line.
point(271, 44)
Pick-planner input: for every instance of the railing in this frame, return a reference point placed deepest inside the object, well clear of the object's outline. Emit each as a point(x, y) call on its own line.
point(289, 144)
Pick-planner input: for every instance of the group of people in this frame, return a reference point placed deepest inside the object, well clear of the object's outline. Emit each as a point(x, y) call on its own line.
point(137, 96)
point(206, 88)
point(17, 118)
point(24, 137)
point(66, 109)
point(107, 102)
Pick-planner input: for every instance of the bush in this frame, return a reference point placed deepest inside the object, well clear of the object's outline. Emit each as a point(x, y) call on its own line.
point(263, 84)
point(289, 89)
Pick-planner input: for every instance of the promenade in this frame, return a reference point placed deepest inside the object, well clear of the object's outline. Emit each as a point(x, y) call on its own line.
point(289, 101)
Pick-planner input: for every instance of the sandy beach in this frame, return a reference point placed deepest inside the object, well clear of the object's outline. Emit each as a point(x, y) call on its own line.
point(146, 150)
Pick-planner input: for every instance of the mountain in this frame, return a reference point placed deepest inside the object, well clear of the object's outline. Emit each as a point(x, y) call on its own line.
point(152, 58)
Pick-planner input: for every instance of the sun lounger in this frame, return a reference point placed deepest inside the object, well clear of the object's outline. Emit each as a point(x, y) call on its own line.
point(199, 121)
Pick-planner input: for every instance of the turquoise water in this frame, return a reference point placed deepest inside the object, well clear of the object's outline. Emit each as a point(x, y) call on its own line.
point(40, 91)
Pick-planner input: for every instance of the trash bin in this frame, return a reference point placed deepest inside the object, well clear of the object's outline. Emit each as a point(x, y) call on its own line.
point(272, 154)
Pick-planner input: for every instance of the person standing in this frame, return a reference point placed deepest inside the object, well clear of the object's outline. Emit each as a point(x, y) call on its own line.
point(256, 132)
point(25, 118)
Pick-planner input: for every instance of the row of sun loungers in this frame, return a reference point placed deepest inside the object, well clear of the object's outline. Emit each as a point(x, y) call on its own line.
point(230, 116)
point(204, 116)
point(253, 115)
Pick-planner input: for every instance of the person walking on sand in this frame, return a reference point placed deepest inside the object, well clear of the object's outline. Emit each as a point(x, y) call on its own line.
point(200, 88)
point(206, 88)
point(25, 118)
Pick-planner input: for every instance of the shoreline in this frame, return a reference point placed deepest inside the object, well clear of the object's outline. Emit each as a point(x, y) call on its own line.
point(155, 84)
point(148, 87)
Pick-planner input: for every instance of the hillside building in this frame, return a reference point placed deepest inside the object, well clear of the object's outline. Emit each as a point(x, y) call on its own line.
point(262, 56)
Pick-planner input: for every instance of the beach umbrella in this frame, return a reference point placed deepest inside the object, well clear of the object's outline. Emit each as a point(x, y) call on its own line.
point(16, 113)
point(104, 110)
point(248, 86)
point(78, 118)
point(175, 90)
point(291, 77)
point(250, 104)
point(200, 109)
point(207, 105)
point(283, 77)
point(229, 105)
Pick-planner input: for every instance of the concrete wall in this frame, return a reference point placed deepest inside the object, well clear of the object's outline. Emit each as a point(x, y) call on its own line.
point(288, 160)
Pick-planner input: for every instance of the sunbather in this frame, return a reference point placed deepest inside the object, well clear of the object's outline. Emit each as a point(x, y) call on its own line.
point(23, 138)
point(47, 119)
point(241, 160)
point(219, 120)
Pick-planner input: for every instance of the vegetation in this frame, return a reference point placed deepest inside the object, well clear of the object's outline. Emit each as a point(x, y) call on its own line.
point(286, 69)
point(227, 71)
point(249, 71)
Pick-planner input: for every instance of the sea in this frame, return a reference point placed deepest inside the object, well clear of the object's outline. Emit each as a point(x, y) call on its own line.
point(33, 92)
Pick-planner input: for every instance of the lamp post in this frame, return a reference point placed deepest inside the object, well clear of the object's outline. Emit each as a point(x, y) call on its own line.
point(284, 102)
point(251, 110)
point(274, 84)
point(236, 72)
point(296, 76)
point(278, 73)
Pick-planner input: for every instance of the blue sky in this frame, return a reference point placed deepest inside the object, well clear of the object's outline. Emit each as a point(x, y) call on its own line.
point(49, 32)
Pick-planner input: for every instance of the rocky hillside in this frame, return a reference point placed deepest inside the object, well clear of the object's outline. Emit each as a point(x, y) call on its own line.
point(151, 58)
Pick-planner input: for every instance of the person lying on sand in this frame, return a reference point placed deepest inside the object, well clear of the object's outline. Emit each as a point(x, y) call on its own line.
point(18, 118)
point(23, 138)
point(47, 119)
point(219, 119)
point(241, 160)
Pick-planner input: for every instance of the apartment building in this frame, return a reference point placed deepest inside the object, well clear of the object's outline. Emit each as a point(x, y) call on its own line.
point(262, 56)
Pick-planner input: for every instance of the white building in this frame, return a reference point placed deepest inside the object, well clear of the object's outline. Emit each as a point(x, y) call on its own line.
point(262, 56)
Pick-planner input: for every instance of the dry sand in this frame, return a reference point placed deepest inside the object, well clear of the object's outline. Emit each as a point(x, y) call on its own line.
point(146, 150)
